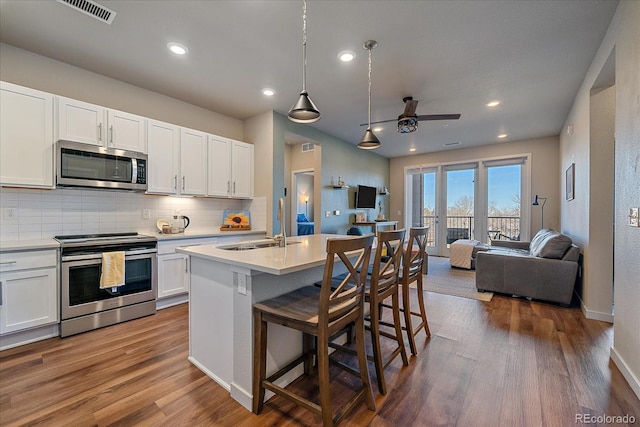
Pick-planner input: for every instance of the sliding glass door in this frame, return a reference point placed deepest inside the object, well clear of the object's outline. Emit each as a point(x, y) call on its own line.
point(481, 200)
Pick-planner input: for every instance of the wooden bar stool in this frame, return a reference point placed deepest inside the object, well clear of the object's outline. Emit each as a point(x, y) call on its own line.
point(382, 283)
point(320, 313)
point(412, 264)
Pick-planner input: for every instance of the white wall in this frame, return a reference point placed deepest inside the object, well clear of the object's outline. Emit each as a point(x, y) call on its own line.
point(623, 35)
point(39, 72)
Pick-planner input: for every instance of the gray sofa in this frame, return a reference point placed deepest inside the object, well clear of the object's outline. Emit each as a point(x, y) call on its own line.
point(545, 268)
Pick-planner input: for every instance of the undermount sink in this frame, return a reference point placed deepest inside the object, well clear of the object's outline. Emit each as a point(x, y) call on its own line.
point(247, 246)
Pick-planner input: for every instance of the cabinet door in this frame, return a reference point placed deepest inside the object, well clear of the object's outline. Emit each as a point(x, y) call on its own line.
point(173, 275)
point(126, 131)
point(28, 299)
point(26, 137)
point(242, 170)
point(163, 145)
point(81, 122)
point(219, 167)
point(193, 162)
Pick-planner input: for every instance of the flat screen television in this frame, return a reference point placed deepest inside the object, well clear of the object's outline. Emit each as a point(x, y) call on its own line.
point(366, 197)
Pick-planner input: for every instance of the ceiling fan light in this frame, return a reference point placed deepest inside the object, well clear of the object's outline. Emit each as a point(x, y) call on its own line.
point(408, 125)
point(304, 110)
point(369, 140)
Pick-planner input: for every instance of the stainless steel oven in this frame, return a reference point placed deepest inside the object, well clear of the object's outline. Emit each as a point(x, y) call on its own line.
point(84, 305)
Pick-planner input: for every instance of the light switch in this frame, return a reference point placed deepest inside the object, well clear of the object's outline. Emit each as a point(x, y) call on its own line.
point(634, 221)
point(146, 213)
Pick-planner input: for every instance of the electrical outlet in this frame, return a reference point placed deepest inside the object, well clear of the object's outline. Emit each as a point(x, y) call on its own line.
point(327, 214)
point(634, 219)
point(10, 213)
point(146, 213)
point(242, 284)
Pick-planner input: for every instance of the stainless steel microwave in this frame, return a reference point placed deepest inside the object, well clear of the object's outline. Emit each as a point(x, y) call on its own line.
point(92, 166)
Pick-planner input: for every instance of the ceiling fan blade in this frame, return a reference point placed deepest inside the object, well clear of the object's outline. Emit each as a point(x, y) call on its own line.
point(381, 121)
point(410, 106)
point(438, 117)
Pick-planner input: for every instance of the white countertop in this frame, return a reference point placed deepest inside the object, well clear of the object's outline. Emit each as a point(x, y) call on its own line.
point(26, 245)
point(195, 234)
point(310, 252)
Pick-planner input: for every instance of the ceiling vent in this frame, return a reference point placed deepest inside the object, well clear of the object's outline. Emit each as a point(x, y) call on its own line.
point(307, 147)
point(91, 8)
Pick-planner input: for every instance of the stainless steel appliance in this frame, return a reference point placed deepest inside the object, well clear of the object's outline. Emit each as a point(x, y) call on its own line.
point(85, 165)
point(84, 306)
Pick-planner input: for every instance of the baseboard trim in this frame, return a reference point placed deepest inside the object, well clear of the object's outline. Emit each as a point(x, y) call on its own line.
point(628, 375)
point(595, 315)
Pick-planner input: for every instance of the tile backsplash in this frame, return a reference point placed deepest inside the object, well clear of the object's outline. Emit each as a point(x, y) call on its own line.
point(42, 214)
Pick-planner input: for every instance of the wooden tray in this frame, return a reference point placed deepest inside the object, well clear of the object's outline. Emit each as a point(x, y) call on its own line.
point(235, 227)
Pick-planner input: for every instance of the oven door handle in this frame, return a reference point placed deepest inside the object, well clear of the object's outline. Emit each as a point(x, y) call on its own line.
point(83, 257)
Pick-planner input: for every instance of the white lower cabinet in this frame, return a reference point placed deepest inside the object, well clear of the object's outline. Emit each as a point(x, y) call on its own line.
point(173, 268)
point(28, 290)
point(173, 275)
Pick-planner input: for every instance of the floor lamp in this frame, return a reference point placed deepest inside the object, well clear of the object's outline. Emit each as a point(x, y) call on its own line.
point(536, 203)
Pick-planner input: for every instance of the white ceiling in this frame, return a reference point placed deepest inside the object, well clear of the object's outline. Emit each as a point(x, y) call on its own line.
point(452, 56)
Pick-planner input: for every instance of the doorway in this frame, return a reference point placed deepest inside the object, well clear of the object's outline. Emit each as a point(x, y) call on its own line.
point(302, 202)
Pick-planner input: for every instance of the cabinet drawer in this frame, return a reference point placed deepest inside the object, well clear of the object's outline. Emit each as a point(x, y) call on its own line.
point(169, 247)
point(12, 261)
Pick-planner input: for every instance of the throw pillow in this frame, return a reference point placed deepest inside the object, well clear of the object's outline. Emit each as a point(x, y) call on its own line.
point(554, 245)
point(302, 218)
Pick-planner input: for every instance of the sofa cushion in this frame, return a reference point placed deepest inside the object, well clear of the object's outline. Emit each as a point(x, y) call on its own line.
point(549, 244)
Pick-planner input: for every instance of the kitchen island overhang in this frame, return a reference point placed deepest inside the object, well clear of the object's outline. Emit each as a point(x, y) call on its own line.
point(224, 286)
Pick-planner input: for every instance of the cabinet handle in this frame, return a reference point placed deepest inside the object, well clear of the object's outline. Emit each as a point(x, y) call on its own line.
point(182, 182)
point(175, 182)
point(111, 135)
point(186, 265)
point(234, 187)
point(0, 293)
point(100, 132)
point(228, 187)
point(8, 262)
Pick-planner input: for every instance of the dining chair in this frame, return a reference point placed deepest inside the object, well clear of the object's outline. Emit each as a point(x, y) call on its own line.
point(412, 268)
point(318, 313)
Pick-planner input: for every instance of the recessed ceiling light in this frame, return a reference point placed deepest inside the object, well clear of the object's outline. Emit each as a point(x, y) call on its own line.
point(268, 92)
point(177, 48)
point(412, 149)
point(502, 135)
point(377, 128)
point(493, 103)
point(347, 55)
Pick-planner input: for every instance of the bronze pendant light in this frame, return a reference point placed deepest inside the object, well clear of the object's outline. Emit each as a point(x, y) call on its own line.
point(304, 110)
point(369, 140)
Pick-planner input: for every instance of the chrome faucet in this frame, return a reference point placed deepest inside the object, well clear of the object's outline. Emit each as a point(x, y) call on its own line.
point(281, 237)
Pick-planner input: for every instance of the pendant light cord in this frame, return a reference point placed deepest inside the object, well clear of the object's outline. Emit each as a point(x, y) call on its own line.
point(304, 45)
point(369, 122)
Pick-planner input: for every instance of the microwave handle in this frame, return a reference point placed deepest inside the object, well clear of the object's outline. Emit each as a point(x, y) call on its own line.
point(134, 172)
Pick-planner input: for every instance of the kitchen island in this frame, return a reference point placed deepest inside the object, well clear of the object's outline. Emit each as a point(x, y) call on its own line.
point(226, 280)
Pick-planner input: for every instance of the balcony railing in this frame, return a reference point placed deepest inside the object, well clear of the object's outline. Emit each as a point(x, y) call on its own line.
point(463, 227)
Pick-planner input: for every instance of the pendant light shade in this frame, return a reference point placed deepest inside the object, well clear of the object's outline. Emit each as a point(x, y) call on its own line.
point(369, 140)
point(304, 110)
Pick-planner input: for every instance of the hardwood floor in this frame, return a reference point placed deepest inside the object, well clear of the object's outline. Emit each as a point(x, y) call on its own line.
point(506, 362)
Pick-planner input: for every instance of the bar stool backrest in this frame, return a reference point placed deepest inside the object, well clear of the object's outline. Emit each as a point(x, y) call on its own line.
point(348, 295)
point(414, 254)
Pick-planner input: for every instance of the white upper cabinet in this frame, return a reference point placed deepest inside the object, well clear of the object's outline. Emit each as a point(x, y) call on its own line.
point(26, 137)
point(163, 166)
point(193, 162)
point(219, 173)
point(230, 171)
point(92, 124)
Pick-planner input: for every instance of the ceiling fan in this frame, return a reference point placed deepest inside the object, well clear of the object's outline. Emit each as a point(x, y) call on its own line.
point(408, 120)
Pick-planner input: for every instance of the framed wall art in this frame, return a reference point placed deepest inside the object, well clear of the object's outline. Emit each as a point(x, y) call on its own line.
point(570, 176)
